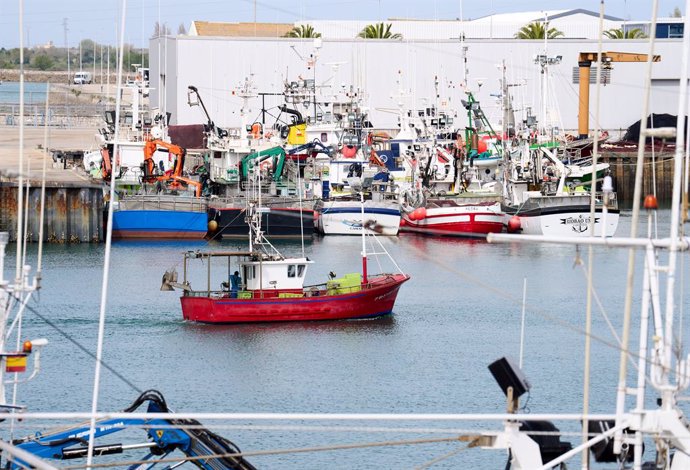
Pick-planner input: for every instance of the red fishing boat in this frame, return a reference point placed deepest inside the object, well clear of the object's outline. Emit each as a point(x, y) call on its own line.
point(448, 217)
point(260, 285)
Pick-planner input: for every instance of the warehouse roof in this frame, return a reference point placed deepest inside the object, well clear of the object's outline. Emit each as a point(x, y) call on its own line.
point(265, 30)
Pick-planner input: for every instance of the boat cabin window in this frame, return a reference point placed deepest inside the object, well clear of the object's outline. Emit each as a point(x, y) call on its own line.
point(296, 270)
point(324, 137)
point(249, 272)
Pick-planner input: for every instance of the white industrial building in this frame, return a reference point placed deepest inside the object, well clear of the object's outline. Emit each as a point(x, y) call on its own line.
point(219, 66)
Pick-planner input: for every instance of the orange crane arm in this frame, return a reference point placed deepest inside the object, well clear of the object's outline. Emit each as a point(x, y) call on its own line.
point(176, 179)
point(616, 57)
point(150, 148)
point(585, 60)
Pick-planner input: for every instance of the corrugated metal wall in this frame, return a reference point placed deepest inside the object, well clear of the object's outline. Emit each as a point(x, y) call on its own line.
point(72, 215)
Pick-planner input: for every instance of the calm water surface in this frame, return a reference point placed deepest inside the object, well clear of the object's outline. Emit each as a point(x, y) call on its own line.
point(460, 311)
point(34, 93)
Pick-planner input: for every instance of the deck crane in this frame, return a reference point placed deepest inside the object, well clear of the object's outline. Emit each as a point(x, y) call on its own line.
point(584, 62)
point(173, 179)
point(194, 99)
point(200, 446)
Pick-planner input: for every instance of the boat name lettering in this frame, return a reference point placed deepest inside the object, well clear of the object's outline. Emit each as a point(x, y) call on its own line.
point(381, 297)
point(580, 223)
point(100, 430)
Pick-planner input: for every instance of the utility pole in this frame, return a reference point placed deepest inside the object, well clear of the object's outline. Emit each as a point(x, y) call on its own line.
point(93, 77)
point(65, 29)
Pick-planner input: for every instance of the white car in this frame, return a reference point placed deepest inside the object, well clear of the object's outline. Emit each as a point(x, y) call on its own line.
point(82, 78)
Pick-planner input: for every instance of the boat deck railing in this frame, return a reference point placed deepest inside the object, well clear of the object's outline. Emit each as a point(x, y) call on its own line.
point(316, 290)
point(576, 198)
point(268, 201)
point(163, 202)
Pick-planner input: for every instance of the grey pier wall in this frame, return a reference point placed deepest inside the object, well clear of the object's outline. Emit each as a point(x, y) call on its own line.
point(72, 214)
point(657, 173)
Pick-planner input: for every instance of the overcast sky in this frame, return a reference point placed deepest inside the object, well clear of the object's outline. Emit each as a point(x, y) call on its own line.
point(43, 19)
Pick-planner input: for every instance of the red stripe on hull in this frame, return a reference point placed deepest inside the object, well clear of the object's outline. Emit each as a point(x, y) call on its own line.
point(137, 234)
point(375, 301)
point(455, 228)
point(471, 226)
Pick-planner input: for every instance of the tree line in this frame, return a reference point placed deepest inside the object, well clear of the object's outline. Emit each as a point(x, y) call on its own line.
point(56, 58)
point(90, 52)
point(533, 30)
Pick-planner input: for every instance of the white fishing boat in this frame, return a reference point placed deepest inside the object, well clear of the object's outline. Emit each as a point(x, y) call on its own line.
point(545, 196)
point(556, 208)
point(344, 217)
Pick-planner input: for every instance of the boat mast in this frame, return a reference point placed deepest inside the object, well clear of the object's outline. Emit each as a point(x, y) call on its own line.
point(108, 243)
point(364, 241)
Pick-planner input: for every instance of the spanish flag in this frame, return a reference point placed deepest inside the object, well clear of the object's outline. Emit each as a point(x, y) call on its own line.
point(15, 363)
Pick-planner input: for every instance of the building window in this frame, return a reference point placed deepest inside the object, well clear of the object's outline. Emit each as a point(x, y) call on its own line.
point(675, 30)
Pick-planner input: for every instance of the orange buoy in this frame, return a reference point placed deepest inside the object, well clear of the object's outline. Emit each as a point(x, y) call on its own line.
point(650, 202)
point(481, 146)
point(212, 226)
point(421, 213)
point(514, 224)
point(349, 151)
point(412, 215)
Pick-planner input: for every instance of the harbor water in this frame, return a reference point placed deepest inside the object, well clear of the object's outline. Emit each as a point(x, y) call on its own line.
point(34, 93)
point(460, 311)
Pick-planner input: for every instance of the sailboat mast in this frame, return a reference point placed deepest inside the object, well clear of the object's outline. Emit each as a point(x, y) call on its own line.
point(364, 241)
point(544, 74)
point(20, 177)
point(6, 305)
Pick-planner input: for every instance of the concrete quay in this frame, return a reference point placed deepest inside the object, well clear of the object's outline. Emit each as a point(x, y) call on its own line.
point(34, 153)
point(74, 202)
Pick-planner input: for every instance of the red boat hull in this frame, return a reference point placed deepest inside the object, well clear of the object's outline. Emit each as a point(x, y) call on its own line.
point(377, 299)
point(456, 219)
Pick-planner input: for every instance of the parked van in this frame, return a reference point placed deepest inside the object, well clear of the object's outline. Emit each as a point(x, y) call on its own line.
point(82, 78)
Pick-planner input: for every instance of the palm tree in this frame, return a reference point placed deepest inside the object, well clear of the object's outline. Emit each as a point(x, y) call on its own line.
point(303, 31)
point(635, 33)
point(378, 31)
point(537, 30)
